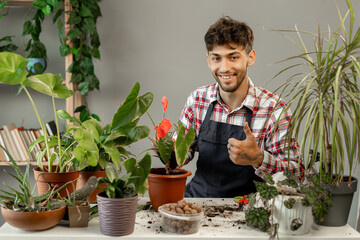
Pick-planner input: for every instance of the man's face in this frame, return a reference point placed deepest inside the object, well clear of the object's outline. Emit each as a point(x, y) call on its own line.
point(229, 65)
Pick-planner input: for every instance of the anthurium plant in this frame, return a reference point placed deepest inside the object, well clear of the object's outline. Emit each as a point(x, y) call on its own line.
point(97, 145)
point(172, 152)
point(12, 71)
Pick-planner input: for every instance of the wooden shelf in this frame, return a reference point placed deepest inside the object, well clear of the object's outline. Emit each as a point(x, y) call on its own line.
point(20, 163)
point(19, 3)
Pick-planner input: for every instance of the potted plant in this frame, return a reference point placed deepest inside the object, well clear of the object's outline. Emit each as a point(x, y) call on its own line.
point(78, 208)
point(167, 185)
point(118, 203)
point(326, 105)
point(285, 204)
point(97, 145)
point(57, 150)
point(22, 209)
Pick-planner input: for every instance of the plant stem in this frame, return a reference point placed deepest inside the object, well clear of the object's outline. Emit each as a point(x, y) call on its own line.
point(150, 118)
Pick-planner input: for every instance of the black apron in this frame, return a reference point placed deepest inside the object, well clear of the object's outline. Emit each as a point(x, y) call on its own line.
point(216, 175)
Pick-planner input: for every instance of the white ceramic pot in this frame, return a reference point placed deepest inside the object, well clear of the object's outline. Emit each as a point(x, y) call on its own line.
point(287, 218)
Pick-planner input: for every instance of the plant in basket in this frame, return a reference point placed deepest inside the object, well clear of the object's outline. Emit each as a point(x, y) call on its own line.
point(167, 185)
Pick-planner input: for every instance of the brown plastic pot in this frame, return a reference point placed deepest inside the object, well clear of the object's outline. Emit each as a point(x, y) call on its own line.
point(55, 180)
point(116, 215)
point(84, 177)
point(79, 214)
point(165, 188)
point(33, 220)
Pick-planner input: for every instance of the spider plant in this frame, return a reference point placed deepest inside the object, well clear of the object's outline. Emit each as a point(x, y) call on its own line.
point(326, 98)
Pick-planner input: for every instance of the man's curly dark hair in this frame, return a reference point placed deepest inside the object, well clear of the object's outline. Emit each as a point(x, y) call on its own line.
point(226, 31)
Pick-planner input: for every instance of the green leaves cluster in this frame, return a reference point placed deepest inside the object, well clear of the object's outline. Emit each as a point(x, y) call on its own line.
point(311, 191)
point(97, 145)
point(130, 183)
point(12, 72)
point(23, 199)
point(258, 218)
point(32, 27)
point(326, 99)
point(85, 43)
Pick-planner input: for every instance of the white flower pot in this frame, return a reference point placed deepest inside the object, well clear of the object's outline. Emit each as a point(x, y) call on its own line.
point(286, 217)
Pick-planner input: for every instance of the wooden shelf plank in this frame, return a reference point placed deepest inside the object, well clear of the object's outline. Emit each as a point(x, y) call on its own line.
point(20, 163)
point(20, 3)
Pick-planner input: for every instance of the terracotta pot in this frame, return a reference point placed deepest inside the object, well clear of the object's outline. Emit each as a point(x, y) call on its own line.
point(117, 215)
point(79, 214)
point(165, 188)
point(33, 220)
point(55, 180)
point(84, 177)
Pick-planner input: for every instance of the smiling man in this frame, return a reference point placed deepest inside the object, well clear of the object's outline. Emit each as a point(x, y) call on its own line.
point(234, 119)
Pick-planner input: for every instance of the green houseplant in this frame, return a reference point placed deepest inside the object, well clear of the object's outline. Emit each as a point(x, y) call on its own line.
point(118, 203)
point(22, 209)
point(57, 150)
point(167, 185)
point(97, 145)
point(326, 104)
point(285, 204)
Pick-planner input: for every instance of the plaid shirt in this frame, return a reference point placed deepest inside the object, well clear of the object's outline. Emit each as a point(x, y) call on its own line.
point(262, 103)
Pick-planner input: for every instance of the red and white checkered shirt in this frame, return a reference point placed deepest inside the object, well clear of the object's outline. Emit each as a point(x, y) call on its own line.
point(262, 102)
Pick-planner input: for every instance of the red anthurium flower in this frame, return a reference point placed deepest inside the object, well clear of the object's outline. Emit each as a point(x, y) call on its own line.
point(243, 200)
point(165, 126)
point(164, 102)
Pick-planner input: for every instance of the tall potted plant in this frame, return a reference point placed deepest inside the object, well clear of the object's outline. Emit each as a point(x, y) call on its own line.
point(60, 161)
point(326, 105)
point(97, 145)
point(167, 185)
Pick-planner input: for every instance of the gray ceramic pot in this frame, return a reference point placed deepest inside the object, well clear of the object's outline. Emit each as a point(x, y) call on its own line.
point(117, 215)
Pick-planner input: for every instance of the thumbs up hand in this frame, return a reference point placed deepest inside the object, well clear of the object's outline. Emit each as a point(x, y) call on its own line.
point(245, 152)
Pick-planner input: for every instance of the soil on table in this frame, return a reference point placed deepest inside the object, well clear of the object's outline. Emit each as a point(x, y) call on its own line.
point(217, 217)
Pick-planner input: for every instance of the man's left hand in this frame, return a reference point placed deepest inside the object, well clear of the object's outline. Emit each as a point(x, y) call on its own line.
point(245, 152)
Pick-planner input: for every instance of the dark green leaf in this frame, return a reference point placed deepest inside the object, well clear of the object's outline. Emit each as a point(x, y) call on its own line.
point(95, 40)
point(84, 88)
point(132, 108)
point(96, 53)
point(8, 48)
point(93, 81)
point(27, 28)
point(73, 33)
point(182, 143)
point(74, 18)
point(76, 77)
point(64, 49)
point(89, 26)
point(165, 147)
point(87, 65)
point(85, 12)
point(74, 3)
point(266, 191)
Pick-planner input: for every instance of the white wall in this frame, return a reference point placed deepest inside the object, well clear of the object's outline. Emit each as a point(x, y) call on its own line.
point(159, 43)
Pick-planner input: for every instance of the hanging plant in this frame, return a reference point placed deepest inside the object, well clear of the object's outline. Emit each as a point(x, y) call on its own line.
point(85, 43)
point(6, 46)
